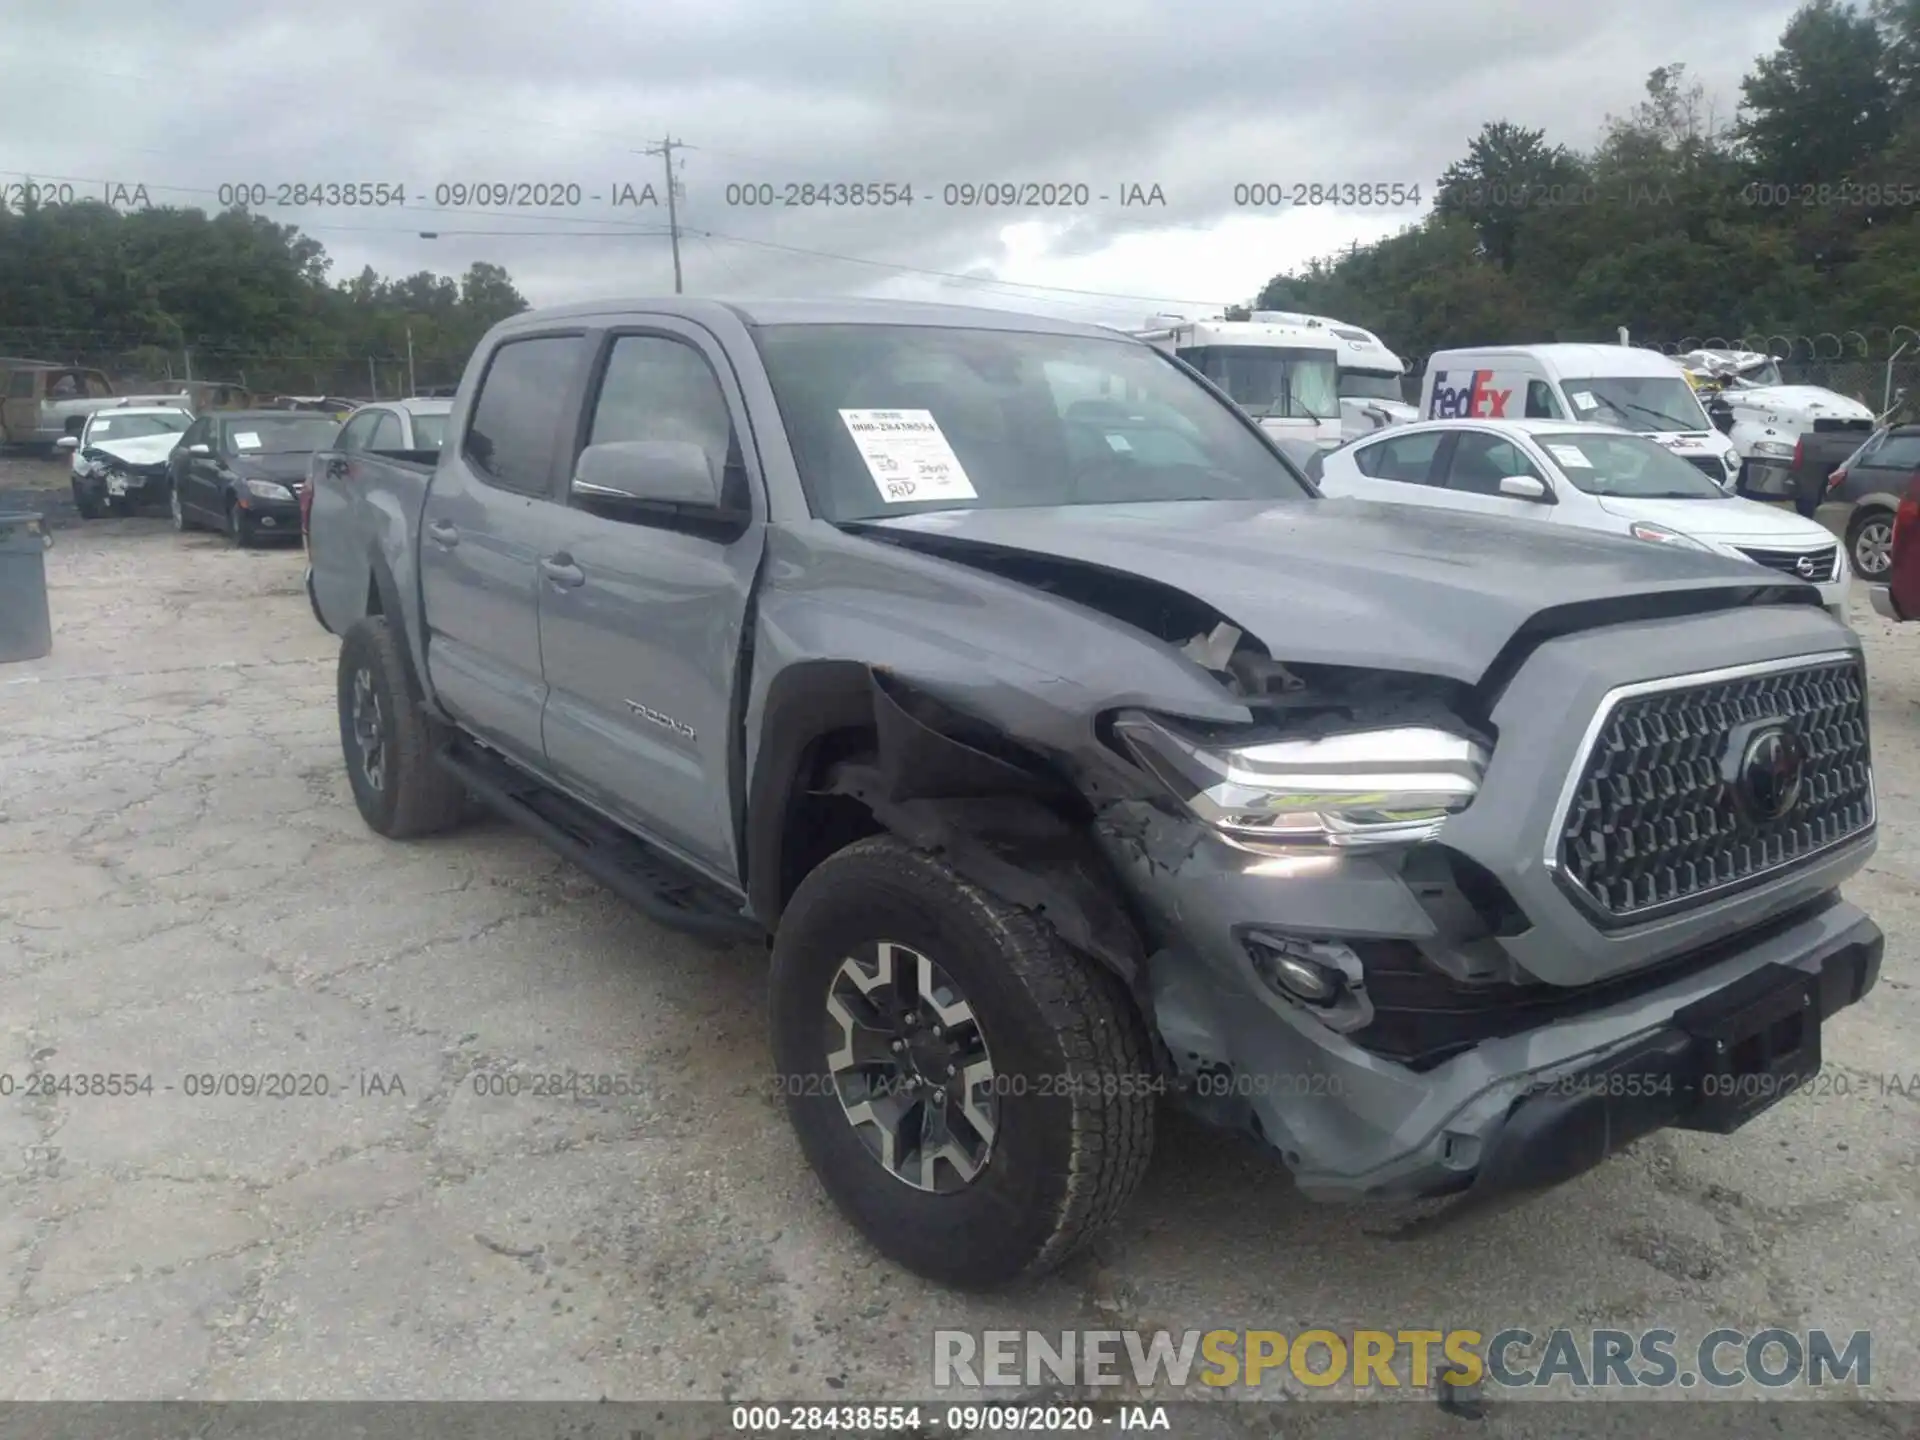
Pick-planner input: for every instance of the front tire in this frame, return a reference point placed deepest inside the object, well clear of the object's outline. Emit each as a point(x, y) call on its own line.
point(85, 503)
point(388, 741)
point(1870, 544)
point(1005, 1157)
point(181, 524)
point(237, 534)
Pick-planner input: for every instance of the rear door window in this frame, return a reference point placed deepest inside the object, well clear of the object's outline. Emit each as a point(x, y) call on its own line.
point(358, 431)
point(386, 433)
point(1897, 452)
point(1406, 458)
point(513, 434)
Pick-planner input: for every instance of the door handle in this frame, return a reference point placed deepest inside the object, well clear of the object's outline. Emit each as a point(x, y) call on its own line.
point(444, 534)
point(561, 570)
point(336, 468)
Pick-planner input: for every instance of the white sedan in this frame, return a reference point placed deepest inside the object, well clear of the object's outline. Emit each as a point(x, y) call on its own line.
point(120, 456)
point(1592, 476)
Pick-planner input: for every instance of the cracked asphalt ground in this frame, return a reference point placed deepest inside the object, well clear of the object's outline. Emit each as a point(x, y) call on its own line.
point(187, 890)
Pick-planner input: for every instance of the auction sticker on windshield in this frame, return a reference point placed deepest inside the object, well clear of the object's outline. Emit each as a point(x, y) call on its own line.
point(908, 456)
point(246, 440)
point(1569, 456)
point(1584, 399)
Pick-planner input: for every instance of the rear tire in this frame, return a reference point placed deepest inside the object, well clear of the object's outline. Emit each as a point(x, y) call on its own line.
point(1067, 1085)
point(1870, 544)
point(388, 741)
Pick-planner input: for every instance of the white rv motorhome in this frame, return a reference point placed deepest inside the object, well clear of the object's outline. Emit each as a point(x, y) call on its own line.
point(1372, 394)
point(1284, 376)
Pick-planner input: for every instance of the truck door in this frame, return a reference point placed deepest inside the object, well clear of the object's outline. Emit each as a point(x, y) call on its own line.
point(641, 614)
point(483, 528)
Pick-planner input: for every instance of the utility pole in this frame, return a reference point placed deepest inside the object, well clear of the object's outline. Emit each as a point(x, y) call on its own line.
point(665, 150)
point(413, 387)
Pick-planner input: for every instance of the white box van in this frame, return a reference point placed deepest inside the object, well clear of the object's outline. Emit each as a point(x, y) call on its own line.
point(1619, 385)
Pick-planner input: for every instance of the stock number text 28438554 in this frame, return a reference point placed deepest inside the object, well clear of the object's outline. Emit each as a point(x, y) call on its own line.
point(1278, 194)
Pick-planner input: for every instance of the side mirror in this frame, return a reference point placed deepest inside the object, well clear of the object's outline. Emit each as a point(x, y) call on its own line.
point(67, 443)
point(202, 450)
point(1523, 487)
point(658, 472)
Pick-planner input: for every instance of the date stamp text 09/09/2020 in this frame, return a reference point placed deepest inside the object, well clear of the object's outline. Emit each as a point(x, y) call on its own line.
point(850, 194)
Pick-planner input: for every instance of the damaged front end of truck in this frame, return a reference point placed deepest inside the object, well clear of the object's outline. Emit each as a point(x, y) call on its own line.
point(1459, 907)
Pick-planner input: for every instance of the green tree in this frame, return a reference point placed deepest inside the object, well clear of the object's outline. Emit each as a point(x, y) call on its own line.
point(1814, 110)
point(1507, 169)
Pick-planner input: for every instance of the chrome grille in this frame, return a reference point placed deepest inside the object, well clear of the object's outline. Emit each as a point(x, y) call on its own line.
point(1708, 465)
point(1820, 561)
point(1657, 818)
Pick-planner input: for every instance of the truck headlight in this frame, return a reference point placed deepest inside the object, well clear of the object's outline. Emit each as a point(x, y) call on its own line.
point(1661, 535)
point(1366, 788)
point(1773, 449)
point(268, 490)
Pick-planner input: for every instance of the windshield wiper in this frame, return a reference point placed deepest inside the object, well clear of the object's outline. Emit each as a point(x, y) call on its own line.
point(1661, 415)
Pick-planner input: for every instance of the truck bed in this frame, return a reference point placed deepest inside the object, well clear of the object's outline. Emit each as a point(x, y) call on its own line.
point(363, 515)
point(1819, 454)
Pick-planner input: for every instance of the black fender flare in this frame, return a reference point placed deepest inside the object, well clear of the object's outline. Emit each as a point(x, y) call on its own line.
point(805, 703)
point(387, 589)
point(1006, 827)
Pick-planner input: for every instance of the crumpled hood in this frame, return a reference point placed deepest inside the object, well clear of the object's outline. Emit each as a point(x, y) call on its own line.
point(277, 466)
point(1346, 582)
point(1807, 400)
point(138, 449)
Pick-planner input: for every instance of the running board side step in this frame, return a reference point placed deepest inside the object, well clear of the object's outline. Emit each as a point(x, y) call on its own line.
point(660, 888)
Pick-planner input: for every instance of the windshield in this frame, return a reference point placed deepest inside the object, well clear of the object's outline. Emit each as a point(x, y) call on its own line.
point(1627, 466)
point(288, 434)
point(429, 431)
point(1766, 374)
point(1648, 403)
point(963, 419)
point(128, 427)
point(1272, 382)
point(1370, 385)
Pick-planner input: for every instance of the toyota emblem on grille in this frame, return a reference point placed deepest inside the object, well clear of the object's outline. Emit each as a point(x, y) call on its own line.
point(1771, 772)
point(1804, 565)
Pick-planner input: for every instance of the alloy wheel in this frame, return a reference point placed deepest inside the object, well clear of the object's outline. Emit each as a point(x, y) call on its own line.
point(1873, 549)
point(910, 1067)
point(369, 730)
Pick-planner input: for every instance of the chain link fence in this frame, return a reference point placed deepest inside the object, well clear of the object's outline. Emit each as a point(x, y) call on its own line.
point(265, 373)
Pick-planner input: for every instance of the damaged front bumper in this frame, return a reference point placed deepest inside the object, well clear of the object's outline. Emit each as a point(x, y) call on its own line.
point(135, 487)
point(1417, 1086)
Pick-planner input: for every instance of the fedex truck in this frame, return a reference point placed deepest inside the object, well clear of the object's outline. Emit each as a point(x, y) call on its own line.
point(1371, 377)
point(1285, 376)
point(1620, 385)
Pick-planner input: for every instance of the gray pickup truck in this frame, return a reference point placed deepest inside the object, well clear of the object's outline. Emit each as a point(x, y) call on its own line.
point(1070, 752)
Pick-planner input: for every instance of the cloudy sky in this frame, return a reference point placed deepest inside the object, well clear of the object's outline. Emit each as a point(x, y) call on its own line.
point(1193, 97)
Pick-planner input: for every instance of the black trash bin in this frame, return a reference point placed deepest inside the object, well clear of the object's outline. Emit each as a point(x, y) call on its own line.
point(26, 627)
